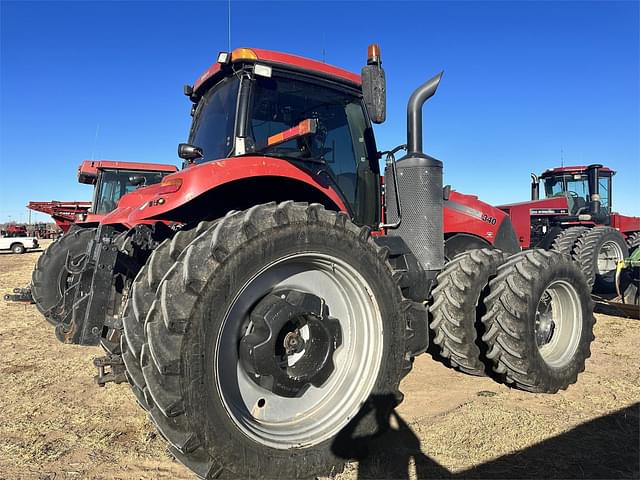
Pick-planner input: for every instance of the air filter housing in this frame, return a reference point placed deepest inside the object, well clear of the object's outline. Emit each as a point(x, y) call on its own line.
point(420, 188)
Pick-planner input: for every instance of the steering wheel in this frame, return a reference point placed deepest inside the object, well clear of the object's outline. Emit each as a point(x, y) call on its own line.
point(570, 193)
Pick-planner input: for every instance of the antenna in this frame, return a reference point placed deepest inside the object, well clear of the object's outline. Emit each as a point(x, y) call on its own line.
point(95, 141)
point(324, 40)
point(229, 23)
point(561, 157)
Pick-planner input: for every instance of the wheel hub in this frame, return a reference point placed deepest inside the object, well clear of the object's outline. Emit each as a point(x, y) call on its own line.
point(290, 343)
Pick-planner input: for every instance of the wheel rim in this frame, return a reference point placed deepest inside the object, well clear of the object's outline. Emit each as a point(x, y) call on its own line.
point(558, 326)
point(320, 412)
point(608, 256)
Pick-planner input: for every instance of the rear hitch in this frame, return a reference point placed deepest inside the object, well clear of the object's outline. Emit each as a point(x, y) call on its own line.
point(91, 305)
point(20, 295)
point(110, 369)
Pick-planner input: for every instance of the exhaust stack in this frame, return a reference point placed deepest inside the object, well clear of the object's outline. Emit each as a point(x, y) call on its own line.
point(593, 172)
point(535, 187)
point(420, 189)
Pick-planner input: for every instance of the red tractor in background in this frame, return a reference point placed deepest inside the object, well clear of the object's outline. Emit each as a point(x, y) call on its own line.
point(576, 217)
point(111, 180)
point(264, 302)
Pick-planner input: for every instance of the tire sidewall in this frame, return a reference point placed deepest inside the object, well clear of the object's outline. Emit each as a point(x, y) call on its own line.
point(51, 264)
point(607, 284)
point(554, 378)
point(224, 440)
point(18, 248)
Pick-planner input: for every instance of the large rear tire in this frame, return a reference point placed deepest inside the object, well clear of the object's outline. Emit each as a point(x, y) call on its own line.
point(539, 321)
point(457, 307)
point(633, 241)
point(220, 408)
point(565, 242)
point(49, 278)
point(141, 300)
point(597, 252)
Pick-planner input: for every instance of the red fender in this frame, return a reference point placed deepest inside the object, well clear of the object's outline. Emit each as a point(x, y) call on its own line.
point(153, 203)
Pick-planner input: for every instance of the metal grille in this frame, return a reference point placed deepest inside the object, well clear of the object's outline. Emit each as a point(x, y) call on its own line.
point(421, 200)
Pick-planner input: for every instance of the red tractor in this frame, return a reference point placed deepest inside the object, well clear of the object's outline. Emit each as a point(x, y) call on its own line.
point(267, 303)
point(576, 217)
point(111, 180)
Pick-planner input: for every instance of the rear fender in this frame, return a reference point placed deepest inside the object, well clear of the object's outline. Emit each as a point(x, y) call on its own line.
point(211, 189)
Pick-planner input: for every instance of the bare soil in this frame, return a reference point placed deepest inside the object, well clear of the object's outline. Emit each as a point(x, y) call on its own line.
point(55, 423)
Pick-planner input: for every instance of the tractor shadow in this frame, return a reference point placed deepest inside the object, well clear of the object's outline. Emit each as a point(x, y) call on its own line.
point(603, 448)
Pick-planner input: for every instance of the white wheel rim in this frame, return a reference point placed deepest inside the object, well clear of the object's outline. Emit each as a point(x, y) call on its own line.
point(319, 413)
point(558, 326)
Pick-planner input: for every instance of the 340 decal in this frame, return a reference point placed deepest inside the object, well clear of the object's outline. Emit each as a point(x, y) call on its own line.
point(489, 219)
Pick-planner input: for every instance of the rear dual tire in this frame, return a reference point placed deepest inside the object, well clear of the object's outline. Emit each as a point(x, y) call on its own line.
point(539, 321)
point(457, 307)
point(201, 398)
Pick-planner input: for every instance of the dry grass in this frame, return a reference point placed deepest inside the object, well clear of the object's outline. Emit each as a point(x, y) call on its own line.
point(55, 423)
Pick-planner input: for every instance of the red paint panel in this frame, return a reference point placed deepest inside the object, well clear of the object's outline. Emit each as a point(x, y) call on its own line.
point(625, 224)
point(520, 214)
point(455, 220)
point(134, 208)
point(286, 59)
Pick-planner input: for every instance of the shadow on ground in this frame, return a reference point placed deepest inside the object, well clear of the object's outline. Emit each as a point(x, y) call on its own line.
point(603, 448)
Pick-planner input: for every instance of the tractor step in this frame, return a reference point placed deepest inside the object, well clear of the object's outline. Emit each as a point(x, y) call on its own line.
point(110, 369)
point(21, 295)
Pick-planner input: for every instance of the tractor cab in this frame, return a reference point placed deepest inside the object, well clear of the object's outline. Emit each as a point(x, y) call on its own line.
point(574, 184)
point(256, 105)
point(113, 179)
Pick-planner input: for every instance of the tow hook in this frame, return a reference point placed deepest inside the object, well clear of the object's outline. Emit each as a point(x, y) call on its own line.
point(110, 369)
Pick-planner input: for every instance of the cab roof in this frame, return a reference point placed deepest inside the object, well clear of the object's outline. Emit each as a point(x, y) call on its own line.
point(576, 169)
point(286, 60)
point(88, 169)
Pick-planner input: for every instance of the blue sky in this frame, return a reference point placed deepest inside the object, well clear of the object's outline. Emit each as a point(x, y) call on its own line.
point(523, 81)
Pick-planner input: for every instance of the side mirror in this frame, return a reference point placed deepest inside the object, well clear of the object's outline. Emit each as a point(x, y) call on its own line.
point(374, 86)
point(137, 180)
point(189, 152)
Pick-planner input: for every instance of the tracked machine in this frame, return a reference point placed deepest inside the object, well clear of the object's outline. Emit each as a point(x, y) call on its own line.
point(268, 302)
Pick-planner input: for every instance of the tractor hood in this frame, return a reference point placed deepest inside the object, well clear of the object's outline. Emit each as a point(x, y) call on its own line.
point(545, 206)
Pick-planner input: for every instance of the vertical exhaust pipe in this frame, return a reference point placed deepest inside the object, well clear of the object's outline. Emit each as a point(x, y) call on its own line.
point(535, 187)
point(414, 113)
point(593, 173)
point(420, 189)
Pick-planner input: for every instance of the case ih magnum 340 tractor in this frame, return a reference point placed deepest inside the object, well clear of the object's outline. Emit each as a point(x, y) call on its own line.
point(267, 301)
point(577, 218)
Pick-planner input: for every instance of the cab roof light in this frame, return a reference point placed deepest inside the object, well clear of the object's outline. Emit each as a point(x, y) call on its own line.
point(262, 70)
point(224, 58)
point(243, 54)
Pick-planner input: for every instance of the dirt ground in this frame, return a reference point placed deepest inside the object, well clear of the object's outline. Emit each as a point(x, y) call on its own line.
point(55, 423)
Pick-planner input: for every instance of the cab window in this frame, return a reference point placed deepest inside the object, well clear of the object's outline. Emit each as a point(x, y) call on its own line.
point(338, 144)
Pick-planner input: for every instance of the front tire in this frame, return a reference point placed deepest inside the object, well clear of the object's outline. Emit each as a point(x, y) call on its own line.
point(539, 321)
point(224, 411)
point(50, 277)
